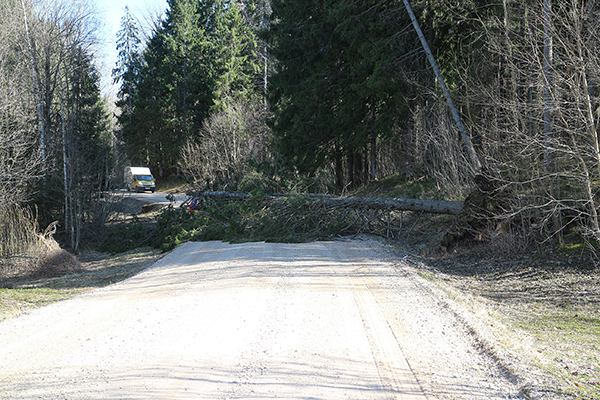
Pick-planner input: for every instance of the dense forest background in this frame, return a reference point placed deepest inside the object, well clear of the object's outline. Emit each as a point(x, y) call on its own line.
point(310, 95)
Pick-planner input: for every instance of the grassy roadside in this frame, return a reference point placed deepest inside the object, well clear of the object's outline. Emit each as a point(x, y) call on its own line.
point(536, 310)
point(556, 310)
point(19, 295)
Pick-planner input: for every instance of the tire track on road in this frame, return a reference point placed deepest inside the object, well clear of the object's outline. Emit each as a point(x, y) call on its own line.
point(394, 371)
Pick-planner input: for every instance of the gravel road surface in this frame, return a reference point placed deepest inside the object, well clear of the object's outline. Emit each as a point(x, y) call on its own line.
point(326, 320)
point(155, 198)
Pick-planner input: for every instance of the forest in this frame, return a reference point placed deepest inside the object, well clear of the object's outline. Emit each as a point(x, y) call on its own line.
point(314, 96)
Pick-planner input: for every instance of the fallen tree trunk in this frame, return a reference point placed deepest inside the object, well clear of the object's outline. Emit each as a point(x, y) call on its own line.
point(373, 203)
point(399, 204)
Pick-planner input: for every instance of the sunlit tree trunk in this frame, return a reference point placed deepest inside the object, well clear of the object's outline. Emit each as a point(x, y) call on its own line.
point(548, 117)
point(476, 165)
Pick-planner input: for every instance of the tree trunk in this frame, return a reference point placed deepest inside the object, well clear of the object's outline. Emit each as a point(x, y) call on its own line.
point(66, 187)
point(372, 203)
point(373, 163)
point(36, 87)
point(351, 177)
point(339, 171)
point(391, 204)
point(547, 93)
point(548, 116)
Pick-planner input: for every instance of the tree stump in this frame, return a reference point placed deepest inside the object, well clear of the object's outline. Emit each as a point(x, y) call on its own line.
point(485, 211)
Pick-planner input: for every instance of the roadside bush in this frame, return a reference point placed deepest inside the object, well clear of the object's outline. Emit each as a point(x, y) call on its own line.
point(25, 251)
point(125, 236)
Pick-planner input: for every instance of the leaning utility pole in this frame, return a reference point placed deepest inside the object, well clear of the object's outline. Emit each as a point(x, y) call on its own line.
point(475, 161)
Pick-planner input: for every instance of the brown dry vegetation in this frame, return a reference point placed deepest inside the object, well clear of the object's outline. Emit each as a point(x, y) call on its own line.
point(59, 280)
point(533, 306)
point(25, 251)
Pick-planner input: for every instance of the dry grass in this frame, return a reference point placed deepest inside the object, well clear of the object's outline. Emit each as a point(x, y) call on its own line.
point(18, 230)
point(44, 259)
point(22, 293)
point(25, 251)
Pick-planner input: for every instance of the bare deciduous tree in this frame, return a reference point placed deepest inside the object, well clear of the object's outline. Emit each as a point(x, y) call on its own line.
point(18, 157)
point(538, 113)
point(228, 141)
point(49, 107)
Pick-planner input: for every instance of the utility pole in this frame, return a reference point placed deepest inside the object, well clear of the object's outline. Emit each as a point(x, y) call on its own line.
point(467, 141)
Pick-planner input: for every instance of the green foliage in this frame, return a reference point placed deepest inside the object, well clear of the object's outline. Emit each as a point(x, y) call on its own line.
point(197, 61)
point(338, 86)
point(176, 226)
point(129, 63)
point(126, 236)
point(290, 219)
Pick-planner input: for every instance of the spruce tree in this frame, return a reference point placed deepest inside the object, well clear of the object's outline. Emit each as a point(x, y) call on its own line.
point(128, 66)
point(198, 61)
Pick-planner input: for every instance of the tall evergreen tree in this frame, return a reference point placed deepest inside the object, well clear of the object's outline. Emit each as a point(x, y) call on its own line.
point(148, 131)
point(129, 63)
point(194, 64)
point(333, 94)
point(237, 65)
point(302, 93)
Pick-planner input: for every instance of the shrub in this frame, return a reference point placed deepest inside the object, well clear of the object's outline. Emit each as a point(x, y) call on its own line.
point(26, 251)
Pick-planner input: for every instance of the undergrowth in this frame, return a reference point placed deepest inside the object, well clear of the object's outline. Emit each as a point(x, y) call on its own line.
point(128, 235)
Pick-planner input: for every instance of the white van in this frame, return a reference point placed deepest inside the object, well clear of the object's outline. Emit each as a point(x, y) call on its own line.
point(139, 179)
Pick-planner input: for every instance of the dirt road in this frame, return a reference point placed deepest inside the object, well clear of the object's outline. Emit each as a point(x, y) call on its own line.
point(334, 320)
point(153, 198)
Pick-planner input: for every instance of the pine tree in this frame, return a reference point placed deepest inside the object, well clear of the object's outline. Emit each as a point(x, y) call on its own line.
point(237, 68)
point(333, 94)
point(148, 132)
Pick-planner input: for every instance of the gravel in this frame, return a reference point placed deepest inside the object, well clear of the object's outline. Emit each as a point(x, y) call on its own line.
point(324, 320)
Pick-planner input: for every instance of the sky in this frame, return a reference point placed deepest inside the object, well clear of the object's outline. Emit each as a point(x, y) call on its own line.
point(112, 11)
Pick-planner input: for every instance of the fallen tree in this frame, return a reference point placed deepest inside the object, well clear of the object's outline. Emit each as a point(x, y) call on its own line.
point(237, 216)
point(220, 215)
point(396, 204)
point(483, 214)
point(363, 203)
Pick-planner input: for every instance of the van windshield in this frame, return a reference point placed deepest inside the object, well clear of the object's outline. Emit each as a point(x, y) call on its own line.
point(143, 177)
